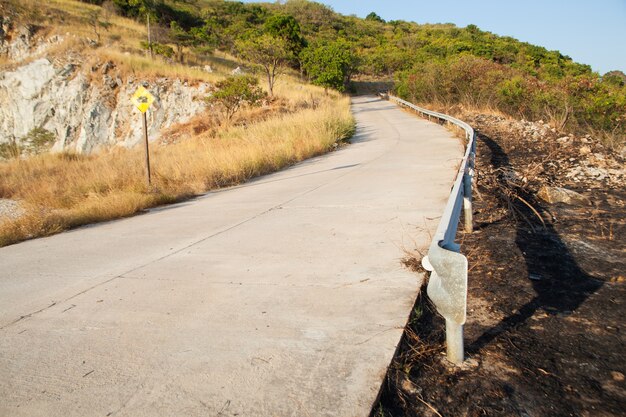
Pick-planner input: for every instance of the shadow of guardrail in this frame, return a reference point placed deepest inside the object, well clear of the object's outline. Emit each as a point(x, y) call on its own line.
point(540, 245)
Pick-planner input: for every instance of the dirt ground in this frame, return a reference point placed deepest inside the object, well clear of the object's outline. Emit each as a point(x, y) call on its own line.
point(544, 333)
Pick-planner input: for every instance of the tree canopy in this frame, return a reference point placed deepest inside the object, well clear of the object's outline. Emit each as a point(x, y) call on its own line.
point(330, 64)
point(513, 76)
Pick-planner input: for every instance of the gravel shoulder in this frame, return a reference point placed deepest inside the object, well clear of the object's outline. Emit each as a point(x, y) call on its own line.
point(9, 209)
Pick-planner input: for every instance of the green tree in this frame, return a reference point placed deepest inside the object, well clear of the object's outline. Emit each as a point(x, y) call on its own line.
point(148, 9)
point(330, 65)
point(205, 37)
point(181, 38)
point(269, 53)
point(374, 17)
point(38, 140)
point(287, 28)
point(615, 78)
point(236, 91)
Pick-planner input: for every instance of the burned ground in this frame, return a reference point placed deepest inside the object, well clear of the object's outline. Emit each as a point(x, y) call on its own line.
point(546, 288)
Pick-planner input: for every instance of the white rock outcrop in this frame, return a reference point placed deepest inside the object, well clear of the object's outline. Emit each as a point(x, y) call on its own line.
point(87, 115)
point(85, 107)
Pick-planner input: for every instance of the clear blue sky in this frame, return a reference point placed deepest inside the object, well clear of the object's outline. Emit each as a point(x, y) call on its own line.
point(591, 32)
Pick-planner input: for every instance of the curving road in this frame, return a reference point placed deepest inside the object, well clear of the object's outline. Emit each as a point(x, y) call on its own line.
point(281, 297)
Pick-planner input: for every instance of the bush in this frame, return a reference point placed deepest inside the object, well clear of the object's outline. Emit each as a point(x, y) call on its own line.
point(159, 49)
point(583, 102)
point(236, 91)
point(38, 140)
point(329, 65)
point(10, 150)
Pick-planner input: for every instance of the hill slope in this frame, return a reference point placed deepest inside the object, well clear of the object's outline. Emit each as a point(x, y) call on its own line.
point(66, 84)
point(439, 64)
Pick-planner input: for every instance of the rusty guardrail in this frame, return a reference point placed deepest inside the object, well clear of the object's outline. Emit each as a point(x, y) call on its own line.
point(447, 287)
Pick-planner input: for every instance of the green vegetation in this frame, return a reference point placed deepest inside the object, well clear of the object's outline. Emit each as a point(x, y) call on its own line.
point(329, 64)
point(10, 150)
point(269, 53)
point(35, 142)
point(234, 92)
point(59, 191)
point(97, 22)
point(584, 102)
point(438, 64)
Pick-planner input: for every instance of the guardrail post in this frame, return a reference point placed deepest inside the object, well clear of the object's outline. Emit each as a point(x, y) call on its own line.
point(454, 342)
point(467, 202)
point(447, 289)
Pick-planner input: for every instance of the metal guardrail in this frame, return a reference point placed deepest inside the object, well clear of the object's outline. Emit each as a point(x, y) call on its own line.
point(447, 287)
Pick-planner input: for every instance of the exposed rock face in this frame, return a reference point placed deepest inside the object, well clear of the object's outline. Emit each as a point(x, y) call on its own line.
point(20, 42)
point(86, 108)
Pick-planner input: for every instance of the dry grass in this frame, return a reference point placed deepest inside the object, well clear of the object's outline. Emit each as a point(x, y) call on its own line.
point(63, 191)
point(70, 16)
point(120, 42)
point(136, 65)
point(612, 140)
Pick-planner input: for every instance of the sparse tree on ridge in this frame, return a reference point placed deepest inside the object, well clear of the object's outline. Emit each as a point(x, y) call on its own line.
point(268, 52)
point(146, 8)
point(94, 17)
point(181, 38)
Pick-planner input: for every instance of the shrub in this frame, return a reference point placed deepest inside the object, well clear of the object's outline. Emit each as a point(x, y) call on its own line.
point(38, 140)
point(236, 91)
point(330, 65)
point(159, 49)
point(585, 102)
point(10, 150)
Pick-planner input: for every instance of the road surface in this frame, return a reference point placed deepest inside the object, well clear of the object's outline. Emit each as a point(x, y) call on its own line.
point(285, 296)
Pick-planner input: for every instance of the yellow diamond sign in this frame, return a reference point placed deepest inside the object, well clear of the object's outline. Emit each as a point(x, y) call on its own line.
point(142, 99)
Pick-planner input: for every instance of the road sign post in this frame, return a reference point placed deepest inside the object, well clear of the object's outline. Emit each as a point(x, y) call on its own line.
point(145, 135)
point(142, 99)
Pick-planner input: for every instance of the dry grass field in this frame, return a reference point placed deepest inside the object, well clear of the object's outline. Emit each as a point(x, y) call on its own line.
point(63, 190)
point(60, 191)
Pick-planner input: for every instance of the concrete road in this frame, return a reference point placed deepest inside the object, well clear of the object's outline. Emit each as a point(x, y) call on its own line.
point(285, 296)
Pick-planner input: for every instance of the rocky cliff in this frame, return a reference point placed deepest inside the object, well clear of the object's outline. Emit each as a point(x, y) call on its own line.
point(84, 105)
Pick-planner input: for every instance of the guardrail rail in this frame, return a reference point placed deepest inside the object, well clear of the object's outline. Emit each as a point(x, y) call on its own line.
point(447, 287)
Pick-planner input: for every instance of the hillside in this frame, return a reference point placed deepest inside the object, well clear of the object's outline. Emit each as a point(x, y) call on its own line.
point(70, 67)
point(438, 64)
point(68, 71)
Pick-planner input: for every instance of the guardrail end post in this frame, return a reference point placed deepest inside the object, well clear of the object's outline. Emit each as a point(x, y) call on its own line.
point(454, 342)
point(467, 204)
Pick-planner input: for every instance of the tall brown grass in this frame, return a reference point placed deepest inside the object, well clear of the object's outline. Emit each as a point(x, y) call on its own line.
point(61, 191)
